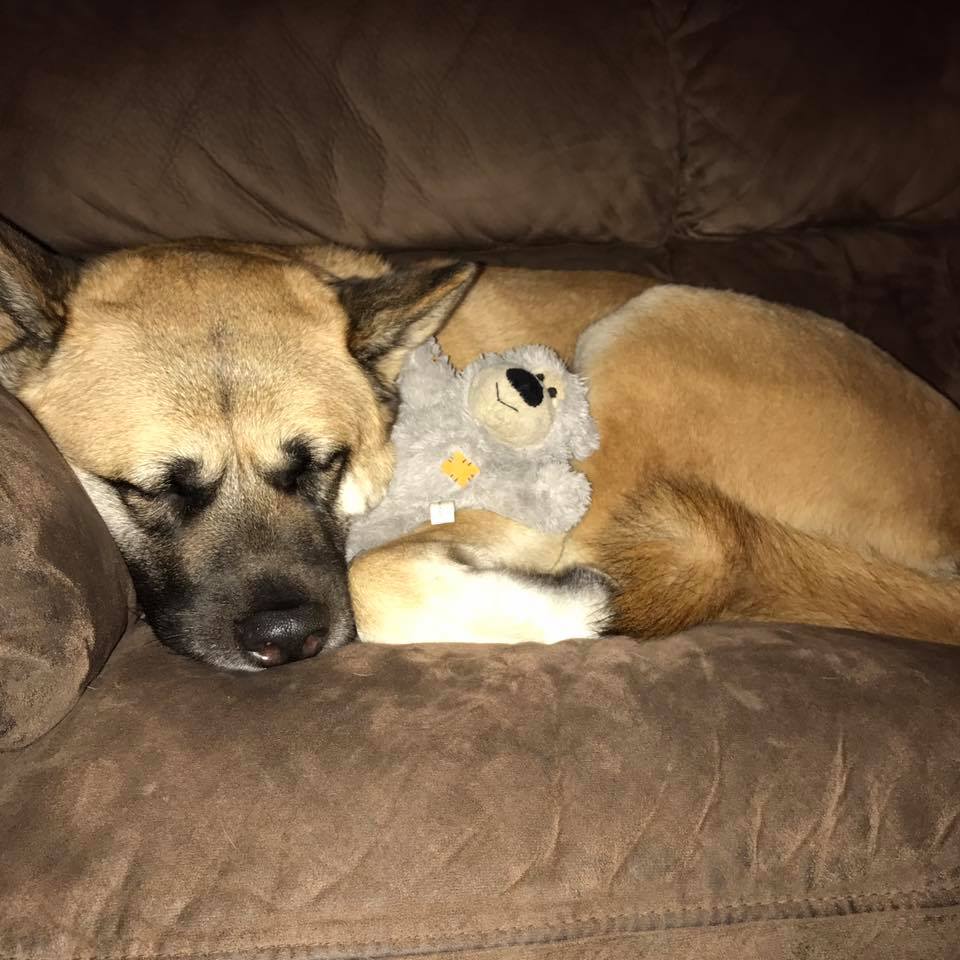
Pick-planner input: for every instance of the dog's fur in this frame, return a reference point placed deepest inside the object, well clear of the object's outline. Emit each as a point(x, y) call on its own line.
point(228, 406)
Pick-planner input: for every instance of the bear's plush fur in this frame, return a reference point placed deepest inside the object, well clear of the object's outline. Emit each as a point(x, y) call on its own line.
point(498, 436)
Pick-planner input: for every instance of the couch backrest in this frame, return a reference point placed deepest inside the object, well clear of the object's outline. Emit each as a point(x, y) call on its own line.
point(423, 124)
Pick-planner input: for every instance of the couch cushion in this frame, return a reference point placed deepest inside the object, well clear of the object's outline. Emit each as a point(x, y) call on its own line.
point(425, 124)
point(789, 791)
point(379, 124)
point(813, 113)
point(64, 591)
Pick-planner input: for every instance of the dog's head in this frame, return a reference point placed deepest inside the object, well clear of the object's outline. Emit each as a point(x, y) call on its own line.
point(227, 407)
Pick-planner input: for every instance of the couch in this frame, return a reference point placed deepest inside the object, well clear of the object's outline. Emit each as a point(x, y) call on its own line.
point(738, 790)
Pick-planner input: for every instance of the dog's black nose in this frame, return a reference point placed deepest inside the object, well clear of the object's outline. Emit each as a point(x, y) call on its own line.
point(278, 636)
point(527, 385)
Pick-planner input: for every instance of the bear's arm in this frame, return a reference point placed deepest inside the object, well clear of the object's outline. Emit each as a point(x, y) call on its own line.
point(546, 496)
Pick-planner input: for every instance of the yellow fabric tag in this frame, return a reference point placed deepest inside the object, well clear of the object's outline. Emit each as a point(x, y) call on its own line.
point(459, 469)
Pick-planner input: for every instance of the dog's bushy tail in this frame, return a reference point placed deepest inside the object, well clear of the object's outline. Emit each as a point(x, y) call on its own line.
point(683, 553)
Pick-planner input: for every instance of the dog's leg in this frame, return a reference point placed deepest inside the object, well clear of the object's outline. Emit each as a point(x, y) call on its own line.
point(680, 553)
point(484, 579)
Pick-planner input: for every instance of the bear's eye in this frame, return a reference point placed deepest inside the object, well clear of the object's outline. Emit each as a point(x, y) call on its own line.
point(552, 391)
point(540, 377)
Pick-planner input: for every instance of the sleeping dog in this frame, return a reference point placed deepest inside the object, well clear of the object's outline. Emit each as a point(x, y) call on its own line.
point(228, 407)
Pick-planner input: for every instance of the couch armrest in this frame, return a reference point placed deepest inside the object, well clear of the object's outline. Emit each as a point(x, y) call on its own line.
point(65, 595)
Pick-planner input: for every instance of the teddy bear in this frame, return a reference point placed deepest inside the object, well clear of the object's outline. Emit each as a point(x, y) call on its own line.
point(498, 436)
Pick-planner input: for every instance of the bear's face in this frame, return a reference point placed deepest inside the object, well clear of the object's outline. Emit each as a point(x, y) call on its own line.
point(516, 405)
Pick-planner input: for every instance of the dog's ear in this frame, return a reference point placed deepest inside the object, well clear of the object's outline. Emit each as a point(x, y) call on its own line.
point(34, 284)
point(392, 314)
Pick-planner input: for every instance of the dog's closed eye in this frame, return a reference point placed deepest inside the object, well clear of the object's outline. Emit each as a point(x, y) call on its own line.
point(184, 479)
point(177, 488)
point(305, 468)
point(299, 460)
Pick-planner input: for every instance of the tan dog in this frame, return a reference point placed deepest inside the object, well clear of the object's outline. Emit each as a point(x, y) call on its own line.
point(756, 462)
point(228, 408)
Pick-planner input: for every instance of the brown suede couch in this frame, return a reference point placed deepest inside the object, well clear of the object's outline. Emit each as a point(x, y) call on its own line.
point(736, 791)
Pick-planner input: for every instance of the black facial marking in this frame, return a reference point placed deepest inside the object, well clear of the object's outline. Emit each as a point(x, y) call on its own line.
point(164, 593)
point(299, 459)
point(183, 480)
point(307, 474)
point(178, 497)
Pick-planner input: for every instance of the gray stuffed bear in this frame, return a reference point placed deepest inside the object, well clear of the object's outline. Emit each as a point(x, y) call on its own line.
point(498, 436)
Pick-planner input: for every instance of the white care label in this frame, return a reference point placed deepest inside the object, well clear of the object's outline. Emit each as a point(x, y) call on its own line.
point(443, 511)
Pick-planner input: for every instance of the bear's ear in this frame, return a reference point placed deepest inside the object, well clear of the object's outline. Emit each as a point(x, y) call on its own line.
point(34, 284)
point(390, 315)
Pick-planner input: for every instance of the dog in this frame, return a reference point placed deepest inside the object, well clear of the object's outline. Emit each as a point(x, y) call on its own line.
point(228, 406)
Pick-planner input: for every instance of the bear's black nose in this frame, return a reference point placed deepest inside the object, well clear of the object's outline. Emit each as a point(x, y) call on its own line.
point(527, 385)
